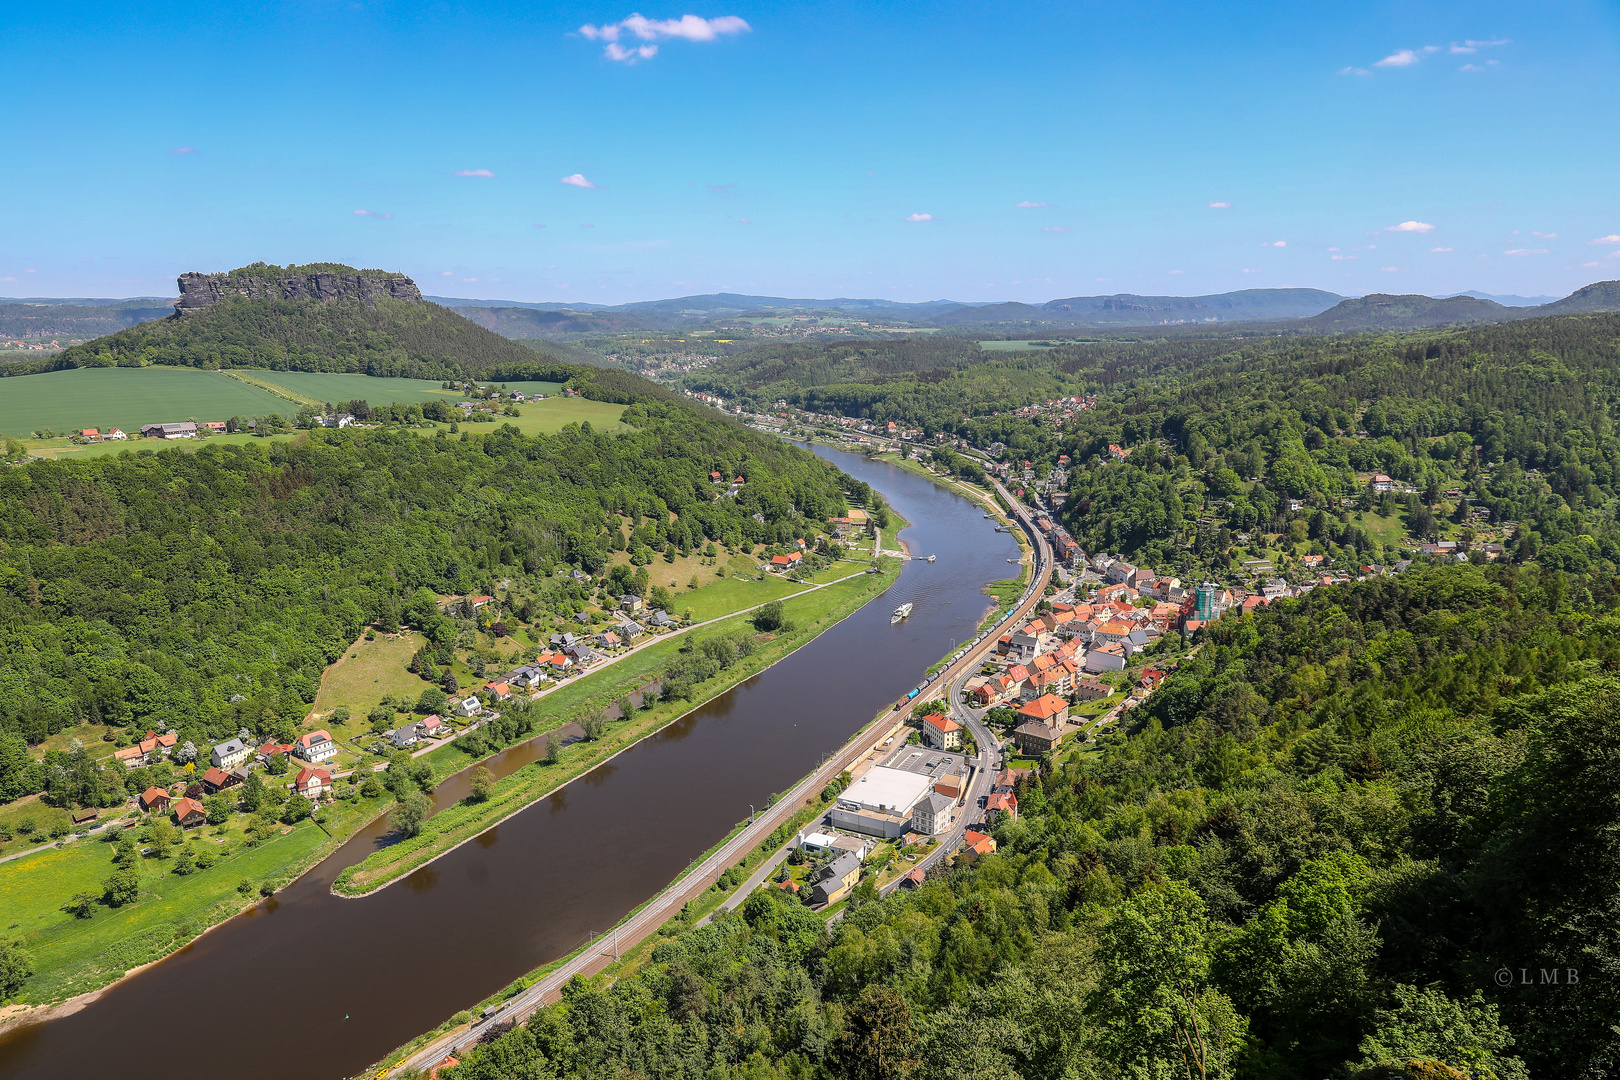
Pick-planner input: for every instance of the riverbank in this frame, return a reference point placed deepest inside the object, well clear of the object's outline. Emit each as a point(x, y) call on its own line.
point(811, 613)
point(77, 960)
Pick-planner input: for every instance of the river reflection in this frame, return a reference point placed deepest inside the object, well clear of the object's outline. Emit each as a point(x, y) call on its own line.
point(348, 980)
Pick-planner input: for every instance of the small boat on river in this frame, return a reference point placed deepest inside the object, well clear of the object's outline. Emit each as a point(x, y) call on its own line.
point(900, 613)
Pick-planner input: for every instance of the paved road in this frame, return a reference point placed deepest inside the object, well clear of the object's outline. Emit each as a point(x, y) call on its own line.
point(984, 765)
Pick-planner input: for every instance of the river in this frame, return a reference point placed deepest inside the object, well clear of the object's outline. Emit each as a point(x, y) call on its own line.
point(311, 984)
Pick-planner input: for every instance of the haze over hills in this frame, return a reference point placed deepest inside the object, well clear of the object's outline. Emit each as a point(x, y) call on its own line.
point(1309, 310)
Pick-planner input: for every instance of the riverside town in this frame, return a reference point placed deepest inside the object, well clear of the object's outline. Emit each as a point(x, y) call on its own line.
point(915, 557)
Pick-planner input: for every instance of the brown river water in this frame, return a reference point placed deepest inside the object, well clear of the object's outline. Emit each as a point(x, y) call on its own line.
point(313, 985)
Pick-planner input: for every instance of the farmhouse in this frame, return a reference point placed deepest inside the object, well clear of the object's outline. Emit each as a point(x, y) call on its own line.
point(189, 812)
point(186, 430)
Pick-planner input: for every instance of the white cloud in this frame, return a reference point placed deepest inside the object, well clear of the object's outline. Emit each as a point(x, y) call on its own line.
point(1470, 67)
point(576, 180)
point(1612, 238)
point(1175, 271)
point(1246, 270)
point(1439, 249)
point(615, 51)
point(1055, 228)
point(469, 279)
point(11, 279)
point(1390, 269)
point(745, 221)
point(686, 28)
point(1410, 226)
point(1220, 206)
point(919, 217)
point(1353, 70)
point(371, 213)
point(1403, 58)
point(1472, 46)
point(30, 270)
point(184, 150)
point(1526, 251)
point(1027, 205)
point(1279, 243)
point(482, 174)
point(1341, 258)
point(447, 273)
point(1544, 235)
point(1583, 266)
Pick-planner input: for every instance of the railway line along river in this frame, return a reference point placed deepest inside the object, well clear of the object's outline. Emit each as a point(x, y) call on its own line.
point(311, 984)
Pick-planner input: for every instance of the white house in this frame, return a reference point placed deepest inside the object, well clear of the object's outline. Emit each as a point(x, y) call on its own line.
point(314, 746)
point(403, 738)
point(933, 815)
point(313, 783)
point(468, 706)
point(228, 755)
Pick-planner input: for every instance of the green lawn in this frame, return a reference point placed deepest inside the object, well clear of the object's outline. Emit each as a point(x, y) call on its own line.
point(74, 955)
point(729, 594)
point(1389, 531)
point(548, 416)
point(328, 387)
point(127, 398)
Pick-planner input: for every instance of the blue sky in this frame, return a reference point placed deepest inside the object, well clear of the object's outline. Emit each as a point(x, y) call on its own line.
point(910, 151)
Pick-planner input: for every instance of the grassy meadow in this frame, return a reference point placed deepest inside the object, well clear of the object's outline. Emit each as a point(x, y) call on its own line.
point(127, 398)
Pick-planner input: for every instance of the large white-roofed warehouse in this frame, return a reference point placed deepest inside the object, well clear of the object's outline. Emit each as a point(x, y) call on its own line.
point(880, 802)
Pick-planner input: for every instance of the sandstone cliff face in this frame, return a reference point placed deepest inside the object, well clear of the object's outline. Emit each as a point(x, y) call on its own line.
point(260, 282)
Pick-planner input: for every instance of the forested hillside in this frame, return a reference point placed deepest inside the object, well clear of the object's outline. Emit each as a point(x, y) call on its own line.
point(1314, 856)
point(206, 591)
point(1231, 429)
point(386, 337)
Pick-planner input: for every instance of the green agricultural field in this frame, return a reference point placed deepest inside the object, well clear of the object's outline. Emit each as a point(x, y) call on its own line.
point(127, 398)
point(549, 416)
point(73, 955)
point(547, 388)
point(324, 386)
point(1017, 346)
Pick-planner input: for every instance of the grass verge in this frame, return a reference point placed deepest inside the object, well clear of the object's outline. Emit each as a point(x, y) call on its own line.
point(452, 826)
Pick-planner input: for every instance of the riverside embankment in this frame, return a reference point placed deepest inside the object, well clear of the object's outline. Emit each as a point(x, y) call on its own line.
point(355, 978)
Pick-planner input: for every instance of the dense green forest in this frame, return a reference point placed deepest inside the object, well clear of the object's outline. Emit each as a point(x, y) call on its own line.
point(206, 591)
point(1239, 425)
point(1363, 833)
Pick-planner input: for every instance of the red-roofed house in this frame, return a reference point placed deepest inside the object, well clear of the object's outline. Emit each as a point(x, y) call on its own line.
point(500, 690)
point(189, 812)
point(154, 798)
point(313, 783)
point(782, 562)
point(133, 757)
point(1002, 803)
point(941, 732)
point(978, 842)
point(1046, 709)
point(216, 780)
point(274, 749)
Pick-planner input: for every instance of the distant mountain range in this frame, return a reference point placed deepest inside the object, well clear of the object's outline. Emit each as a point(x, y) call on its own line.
point(1311, 310)
point(1381, 311)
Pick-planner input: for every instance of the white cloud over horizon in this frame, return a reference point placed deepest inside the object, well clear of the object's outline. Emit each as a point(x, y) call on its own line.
point(1612, 238)
point(1527, 251)
point(482, 174)
point(1027, 205)
point(1220, 206)
point(1410, 226)
point(919, 217)
point(576, 180)
point(685, 28)
point(371, 213)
